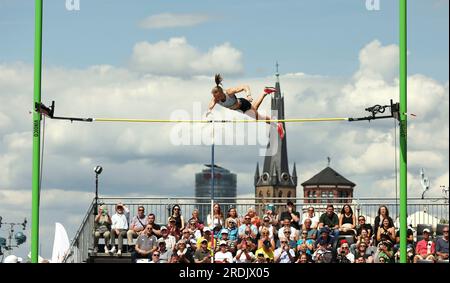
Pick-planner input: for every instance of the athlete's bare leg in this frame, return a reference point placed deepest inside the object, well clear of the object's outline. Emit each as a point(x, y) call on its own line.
point(253, 113)
point(258, 102)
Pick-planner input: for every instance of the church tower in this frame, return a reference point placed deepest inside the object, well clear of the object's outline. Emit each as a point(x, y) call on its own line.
point(275, 180)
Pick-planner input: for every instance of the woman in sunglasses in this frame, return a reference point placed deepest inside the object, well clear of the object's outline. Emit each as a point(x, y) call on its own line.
point(179, 219)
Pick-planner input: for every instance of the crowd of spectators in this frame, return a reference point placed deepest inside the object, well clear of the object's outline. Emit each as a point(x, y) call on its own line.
point(287, 237)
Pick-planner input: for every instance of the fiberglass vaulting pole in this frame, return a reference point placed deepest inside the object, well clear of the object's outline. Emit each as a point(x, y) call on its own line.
point(36, 133)
point(403, 129)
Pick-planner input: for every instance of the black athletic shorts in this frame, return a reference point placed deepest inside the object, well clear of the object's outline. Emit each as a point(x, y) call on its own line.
point(245, 105)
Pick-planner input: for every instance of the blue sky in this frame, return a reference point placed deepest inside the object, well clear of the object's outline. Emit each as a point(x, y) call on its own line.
point(308, 36)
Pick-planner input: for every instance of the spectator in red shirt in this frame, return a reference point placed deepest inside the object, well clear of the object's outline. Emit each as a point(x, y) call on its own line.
point(425, 248)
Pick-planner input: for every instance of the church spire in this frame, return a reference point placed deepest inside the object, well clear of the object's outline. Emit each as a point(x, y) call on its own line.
point(294, 175)
point(257, 174)
point(277, 74)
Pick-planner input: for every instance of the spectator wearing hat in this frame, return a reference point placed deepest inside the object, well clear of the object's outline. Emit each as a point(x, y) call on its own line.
point(344, 254)
point(233, 215)
point(146, 244)
point(102, 224)
point(267, 224)
point(247, 228)
point(266, 250)
point(291, 214)
point(284, 254)
point(325, 238)
point(203, 253)
point(311, 215)
point(223, 255)
point(12, 259)
point(192, 245)
point(156, 229)
point(168, 239)
point(119, 227)
point(244, 254)
point(442, 245)
point(164, 253)
point(207, 235)
point(425, 248)
point(137, 225)
point(224, 237)
point(232, 227)
point(331, 220)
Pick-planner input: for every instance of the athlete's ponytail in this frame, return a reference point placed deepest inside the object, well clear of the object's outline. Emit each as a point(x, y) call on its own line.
point(218, 88)
point(218, 78)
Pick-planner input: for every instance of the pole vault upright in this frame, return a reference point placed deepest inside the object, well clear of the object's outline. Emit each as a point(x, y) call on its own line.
point(403, 129)
point(36, 132)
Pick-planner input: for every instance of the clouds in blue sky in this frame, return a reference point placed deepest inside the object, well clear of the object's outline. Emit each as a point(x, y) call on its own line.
point(167, 63)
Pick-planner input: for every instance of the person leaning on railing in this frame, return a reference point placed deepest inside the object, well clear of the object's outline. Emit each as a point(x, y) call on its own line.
point(102, 224)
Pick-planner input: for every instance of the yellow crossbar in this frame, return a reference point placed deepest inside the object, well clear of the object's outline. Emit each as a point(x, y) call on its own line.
point(298, 120)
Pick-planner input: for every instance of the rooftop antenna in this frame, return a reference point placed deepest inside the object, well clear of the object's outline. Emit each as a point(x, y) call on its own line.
point(425, 182)
point(329, 161)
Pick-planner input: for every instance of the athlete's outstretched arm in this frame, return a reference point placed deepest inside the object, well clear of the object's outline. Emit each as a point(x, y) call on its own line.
point(211, 105)
point(238, 89)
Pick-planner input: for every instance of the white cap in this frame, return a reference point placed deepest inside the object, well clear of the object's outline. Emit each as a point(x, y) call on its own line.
point(12, 259)
point(426, 230)
point(222, 243)
point(206, 229)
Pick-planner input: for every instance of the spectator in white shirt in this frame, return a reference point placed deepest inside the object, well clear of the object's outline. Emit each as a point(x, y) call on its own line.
point(223, 256)
point(244, 255)
point(169, 239)
point(287, 225)
point(284, 254)
point(314, 218)
point(119, 227)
